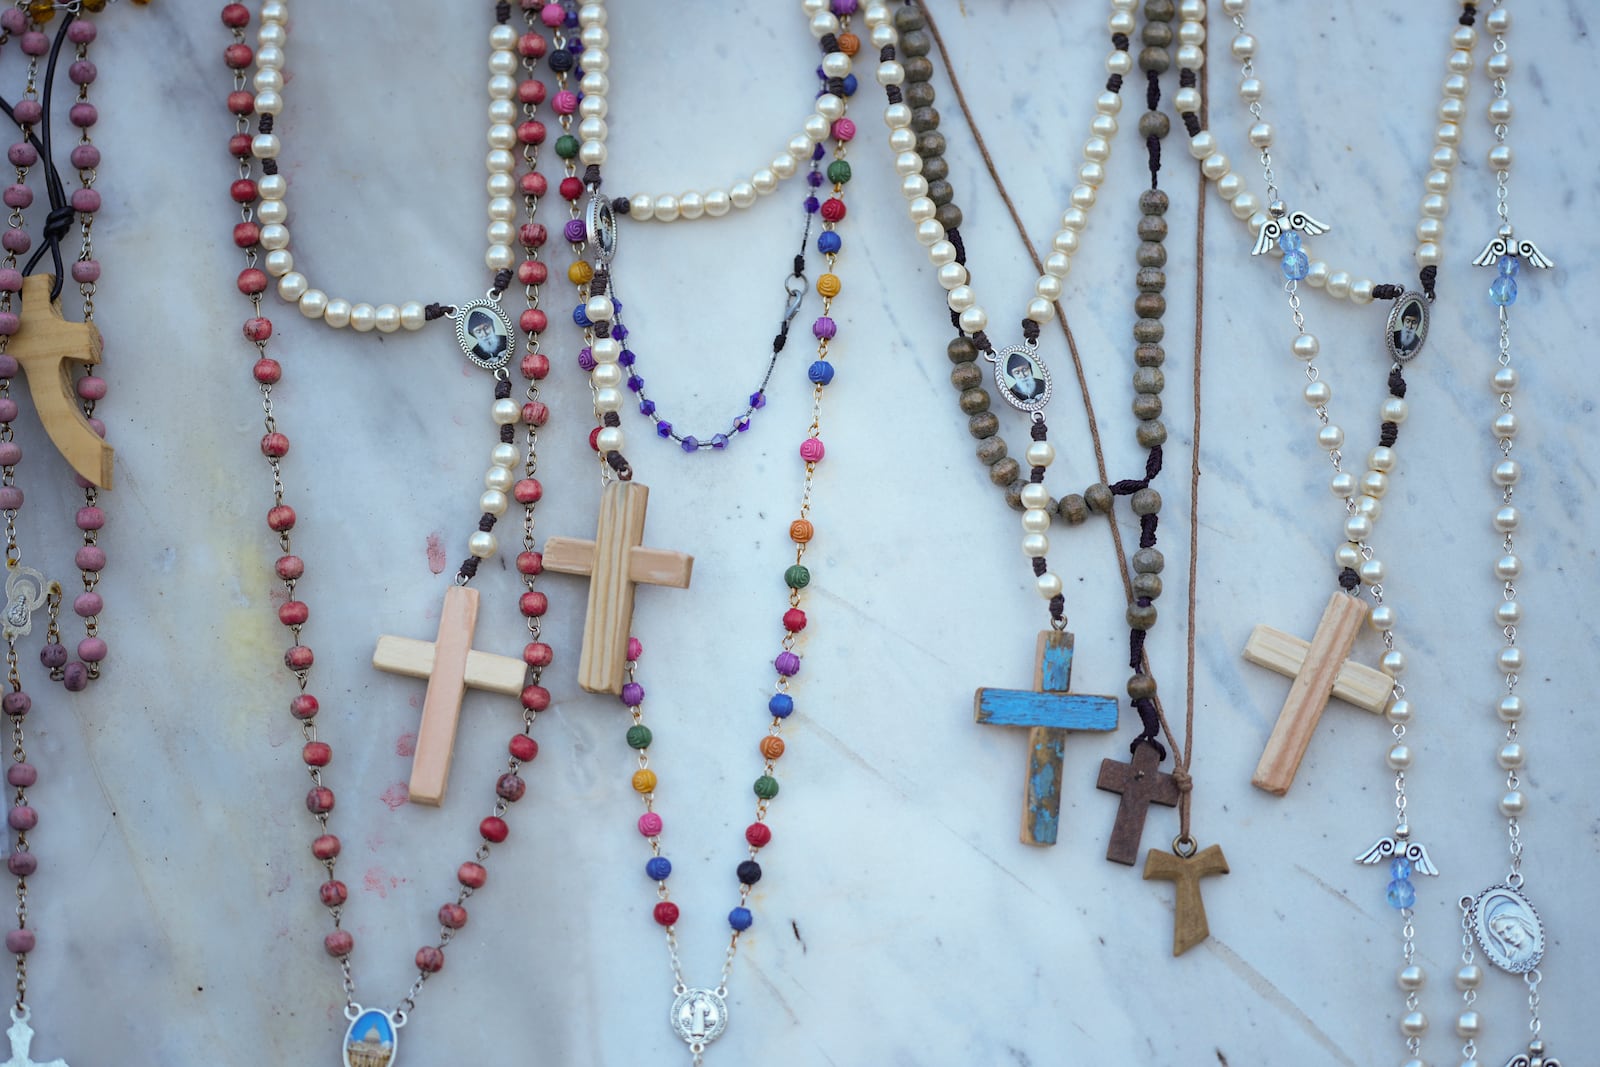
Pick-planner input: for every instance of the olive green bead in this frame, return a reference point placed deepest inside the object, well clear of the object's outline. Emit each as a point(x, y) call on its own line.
point(1152, 228)
point(1149, 561)
point(766, 787)
point(796, 577)
point(966, 376)
point(1147, 406)
point(1157, 34)
point(1149, 380)
point(566, 146)
point(1147, 585)
point(935, 169)
point(1151, 279)
point(992, 451)
point(961, 350)
point(908, 18)
point(1157, 59)
point(1073, 510)
point(1141, 616)
point(918, 69)
point(1159, 10)
point(983, 425)
point(1141, 687)
point(1146, 501)
point(1149, 355)
point(924, 119)
point(1153, 202)
point(1014, 496)
point(1148, 331)
point(930, 144)
point(1149, 305)
point(638, 737)
point(1005, 472)
point(940, 193)
point(973, 401)
point(1152, 254)
point(915, 43)
point(839, 172)
point(948, 216)
point(918, 94)
point(1098, 497)
point(1151, 433)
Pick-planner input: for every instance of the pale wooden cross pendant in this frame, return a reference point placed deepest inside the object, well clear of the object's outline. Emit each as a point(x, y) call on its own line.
point(1050, 711)
point(1141, 783)
point(46, 346)
point(614, 562)
point(21, 1035)
point(1320, 671)
point(1189, 926)
point(450, 665)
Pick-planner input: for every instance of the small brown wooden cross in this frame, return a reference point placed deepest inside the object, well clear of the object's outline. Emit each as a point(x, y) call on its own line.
point(1320, 671)
point(1189, 926)
point(451, 666)
point(46, 346)
point(614, 562)
point(1141, 783)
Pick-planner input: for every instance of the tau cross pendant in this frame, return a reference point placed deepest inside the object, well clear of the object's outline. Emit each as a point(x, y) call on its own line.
point(1189, 926)
point(46, 346)
point(614, 562)
point(1050, 710)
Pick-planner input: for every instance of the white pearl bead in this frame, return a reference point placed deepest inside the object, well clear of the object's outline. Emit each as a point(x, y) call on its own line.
point(1097, 149)
point(606, 375)
point(363, 317)
point(1456, 85)
point(1035, 495)
point(500, 232)
point(274, 237)
point(1202, 144)
point(502, 87)
point(1451, 109)
point(718, 203)
point(1411, 978)
point(1058, 264)
point(1510, 659)
point(1513, 804)
point(1330, 437)
point(742, 194)
point(952, 275)
point(1108, 103)
point(974, 319)
point(1347, 555)
point(1375, 484)
point(504, 412)
point(1508, 567)
point(275, 11)
point(482, 544)
point(836, 64)
point(921, 208)
point(1040, 454)
point(313, 302)
point(386, 318)
point(1381, 458)
point(270, 58)
point(1395, 409)
point(1120, 22)
point(337, 313)
point(1508, 613)
point(1082, 196)
point(1339, 284)
point(641, 206)
point(897, 115)
point(1361, 291)
point(504, 454)
point(594, 83)
point(1040, 309)
point(1119, 63)
point(1306, 346)
point(824, 24)
point(1469, 976)
point(502, 111)
point(1261, 135)
point(593, 38)
point(1357, 528)
point(503, 136)
point(1506, 472)
point(1500, 157)
point(1499, 20)
point(270, 212)
point(1399, 712)
point(1500, 111)
point(1507, 518)
point(1103, 126)
point(1048, 584)
point(1414, 1024)
point(1317, 393)
point(1035, 545)
point(666, 209)
point(500, 479)
point(1092, 174)
point(1511, 756)
point(1215, 166)
point(1459, 62)
point(606, 350)
point(1191, 10)
point(1392, 663)
point(829, 106)
point(1317, 274)
point(1510, 709)
point(1469, 1024)
point(1381, 617)
point(903, 139)
point(942, 252)
point(1048, 287)
point(268, 81)
point(269, 102)
point(961, 298)
point(500, 186)
point(592, 128)
point(606, 400)
point(1035, 520)
point(891, 73)
point(913, 186)
point(1243, 46)
point(907, 163)
point(691, 205)
point(929, 232)
point(1186, 101)
point(1372, 573)
point(1370, 506)
point(1400, 757)
point(1429, 230)
point(1343, 484)
point(1244, 205)
point(413, 315)
point(1190, 57)
point(1074, 218)
point(1498, 65)
point(503, 62)
point(591, 152)
point(500, 161)
point(493, 502)
point(264, 146)
point(1444, 157)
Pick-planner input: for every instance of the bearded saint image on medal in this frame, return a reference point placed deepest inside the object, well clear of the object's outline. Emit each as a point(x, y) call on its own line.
point(488, 342)
point(1407, 337)
point(1022, 379)
point(1509, 930)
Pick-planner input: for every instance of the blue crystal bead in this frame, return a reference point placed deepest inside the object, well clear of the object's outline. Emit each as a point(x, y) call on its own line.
point(742, 425)
point(1510, 265)
point(817, 153)
point(1399, 868)
point(1401, 894)
point(619, 332)
point(758, 400)
point(658, 868)
point(690, 443)
point(1289, 241)
point(719, 441)
point(1296, 265)
point(781, 705)
point(740, 918)
point(812, 205)
point(1503, 291)
point(647, 407)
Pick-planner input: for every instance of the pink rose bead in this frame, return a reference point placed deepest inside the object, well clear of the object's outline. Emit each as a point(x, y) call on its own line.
point(811, 449)
point(650, 824)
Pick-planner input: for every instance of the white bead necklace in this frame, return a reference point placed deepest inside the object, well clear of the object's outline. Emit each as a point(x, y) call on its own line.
point(273, 210)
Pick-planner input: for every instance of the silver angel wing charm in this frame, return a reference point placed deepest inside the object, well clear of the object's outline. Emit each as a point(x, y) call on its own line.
point(1299, 220)
point(1530, 252)
point(1499, 246)
point(1274, 229)
point(1534, 1057)
point(1390, 848)
point(1271, 230)
point(1504, 245)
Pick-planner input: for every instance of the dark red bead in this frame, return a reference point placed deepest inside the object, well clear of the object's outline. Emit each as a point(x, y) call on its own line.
point(535, 697)
point(530, 563)
point(267, 371)
point(531, 45)
point(304, 707)
point(794, 620)
point(571, 188)
point(472, 875)
point(532, 272)
point(532, 320)
point(531, 132)
point(252, 280)
point(665, 913)
point(275, 445)
point(833, 209)
point(238, 56)
point(528, 490)
point(757, 834)
point(510, 787)
point(235, 16)
point(533, 603)
point(339, 943)
point(325, 847)
point(241, 102)
point(320, 800)
point(430, 958)
point(280, 518)
point(533, 183)
point(294, 613)
point(333, 893)
point(531, 92)
point(243, 191)
point(594, 438)
point(537, 654)
point(299, 658)
point(493, 830)
point(239, 146)
point(289, 567)
point(452, 916)
point(317, 753)
point(533, 234)
point(257, 328)
point(246, 234)
point(535, 365)
point(523, 748)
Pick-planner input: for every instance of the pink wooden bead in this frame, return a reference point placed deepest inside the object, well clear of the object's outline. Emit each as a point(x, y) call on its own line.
point(523, 748)
point(34, 43)
point(325, 847)
point(535, 697)
point(527, 491)
point(8, 409)
point(430, 958)
point(257, 329)
point(299, 658)
point(86, 270)
point(294, 613)
point(494, 830)
point(91, 387)
point(510, 787)
point(531, 92)
point(90, 518)
point(275, 445)
point(13, 21)
point(19, 942)
point(90, 558)
point(551, 15)
point(22, 817)
point(537, 654)
point(15, 241)
point(267, 371)
point(97, 426)
point(339, 943)
point(535, 413)
point(23, 154)
point(22, 864)
point(21, 775)
point(75, 678)
point(530, 563)
point(316, 754)
point(17, 703)
point(280, 518)
point(10, 498)
point(92, 649)
point(85, 200)
point(531, 45)
point(452, 916)
point(472, 875)
point(83, 115)
point(333, 893)
point(80, 31)
point(85, 605)
point(289, 567)
point(10, 323)
point(11, 280)
point(87, 156)
point(304, 707)
point(650, 824)
point(17, 196)
point(82, 72)
point(534, 603)
point(10, 453)
point(535, 365)
point(319, 801)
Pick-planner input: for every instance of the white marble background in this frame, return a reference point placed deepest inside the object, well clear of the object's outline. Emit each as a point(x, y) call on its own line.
point(900, 921)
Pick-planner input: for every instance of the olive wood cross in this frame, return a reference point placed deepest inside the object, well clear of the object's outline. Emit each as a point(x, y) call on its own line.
point(47, 346)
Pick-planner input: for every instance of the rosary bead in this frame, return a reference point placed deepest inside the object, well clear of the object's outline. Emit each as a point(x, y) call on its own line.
point(1508, 613)
point(472, 875)
point(452, 916)
point(1148, 561)
point(19, 942)
point(53, 656)
point(1513, 804)
point(1146, 501)
point(1147, 585)
point(494, 829)
point(1155, 58)
point(319, 801)
point(333, 893)
point(1141, 616)
point(1151, 434)
point(325, 847)
point(1034, 495)
point(983, 425)
point(973, 401)
point(1073, 509)
point(920, 94)
point(665, 913)
point(948, 216)
point(1151, 254)
point(1149, 331)
point(429, 959)
point(1099, 499)
point(966, 376)
point(1149, 355)
point(1149, 380)
point(1511, 756)
point(1004, 472)
point(1152, 228)
point(1048, 585)
point(1146, 406)
point(1150, 305)
point(304, 707)
point(22, 864)
point(22, 817)
point(339, 943)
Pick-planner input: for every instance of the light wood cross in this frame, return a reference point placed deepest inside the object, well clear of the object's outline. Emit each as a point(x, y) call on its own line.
point(1320, 671)
point(614, 563)
point(451, 666)
point(1050, 711)
point(1141, 783)
point(47, 346)
point(1189, 926)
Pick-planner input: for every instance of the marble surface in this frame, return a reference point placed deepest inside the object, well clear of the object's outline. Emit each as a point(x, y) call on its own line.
point(900, 921)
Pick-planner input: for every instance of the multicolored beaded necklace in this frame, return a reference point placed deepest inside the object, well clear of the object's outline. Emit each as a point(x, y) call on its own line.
point(56, 357)
point(699, 1015)
point(487, 337)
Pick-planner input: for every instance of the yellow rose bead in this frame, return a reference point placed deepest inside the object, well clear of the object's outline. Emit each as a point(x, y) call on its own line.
point(828, 285)
point(580, 273)
point(644, 781)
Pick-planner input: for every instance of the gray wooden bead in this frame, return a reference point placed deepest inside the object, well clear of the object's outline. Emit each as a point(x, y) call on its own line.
point(966, 376)
point(1153, 202)
point(991, 451)
point(973, 401)
point(918, 69)
point(940, 193)
point(984, 424)
point(948, 216)
point(1156, 59)
point(924, 119)
point(1149, 380)
point(1014, 496)
point(961, 350)
point(1141, 616)
point(1159, 10)
point(1152, 228)
point(930, 144)
point(1147, 585)
point(1074, 509)
point(918, 94)
point(1149, 305)
point(1149, 561)
point(915, 43)
point(1146, 501)
point(1151, 433)
point(1157, 34)
point(1141, 686)
point(1152, 254)
point(908, 18)
point(1149, 355)
point(1151, 279)
point(1005, 472)
point(1148, 331)
point(1098, 497)
point(1146, 406)
point(935, 169)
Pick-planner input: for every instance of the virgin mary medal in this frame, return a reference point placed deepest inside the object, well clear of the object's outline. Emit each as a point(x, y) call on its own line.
point(1508, 929)
point(484, 332)
point(372, 1040)
point(1021, 377)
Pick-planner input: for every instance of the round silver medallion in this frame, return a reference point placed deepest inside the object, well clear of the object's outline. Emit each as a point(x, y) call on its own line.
point(601, 225)
point(1407, 329)
point(1021, 377)
point(699, 1016)
point(485, 334)
point(1508, 929)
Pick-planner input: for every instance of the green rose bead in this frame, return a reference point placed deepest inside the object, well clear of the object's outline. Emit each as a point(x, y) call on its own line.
point(838, 172)
point(567, 146)
point(797, 577)
point(638, 737)
point(766, 787)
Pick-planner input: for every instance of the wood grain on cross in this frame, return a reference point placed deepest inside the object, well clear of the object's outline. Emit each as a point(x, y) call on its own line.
point(451, 666)
point(48, 347)
point(1050, 711)
point(1189, 926)
point(1320, 671)
point(614, 563)
point(1141, 783)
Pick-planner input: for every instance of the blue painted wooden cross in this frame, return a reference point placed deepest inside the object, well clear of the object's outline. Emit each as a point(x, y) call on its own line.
point(1050, 711)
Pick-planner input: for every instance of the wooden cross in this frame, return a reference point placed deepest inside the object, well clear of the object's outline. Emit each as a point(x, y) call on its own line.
point(614, 562)
point(450, 665)
point(46, 346)
point(1320, 671)
point(1050, 711)
point(21, 1035)
point(1141, 783)
point(1189, 926)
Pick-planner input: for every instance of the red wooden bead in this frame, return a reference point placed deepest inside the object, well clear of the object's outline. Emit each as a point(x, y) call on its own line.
point(531, 45)
point(531, 92)
point(304, 707)
point(532, 272)
point(267, 371)
point(533, 321)
point(333, 893)
point(794, 620)
point(594, 438)
point(530, 562)
point(258, 328)
point(237, 55)
point(235, 16)
point(246, 234)
point(280, 518)
point(528, 490)
point(294, 613)
point(758, 834)
point(534, 184)
point(523, 748)
point(430, 958)
point(325, 847)
point(537, 654)
point(533, 234)
point(571, 188)
point(289, 567)
point(317, 753)
point(472, 875)
point(452, 916)
point(243, 191)
point(252, 280)
point(299, 658)
point(320, 800)
point(275, 445)
point(510, 787)
point(493, 830)
point(241, 102)
point(339, 943)
point(666, 913)
point(239, 146)
point(535, 697)
point(535, 413)
point(533, 603)
point(535, 365)
point(531, 132)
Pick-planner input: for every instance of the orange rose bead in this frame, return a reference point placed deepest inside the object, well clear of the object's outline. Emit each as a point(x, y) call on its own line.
point(801, 531)
point(771, 747)
point(849, 43)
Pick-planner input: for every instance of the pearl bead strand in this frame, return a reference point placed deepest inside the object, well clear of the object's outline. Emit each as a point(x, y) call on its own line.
point(931, 234)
